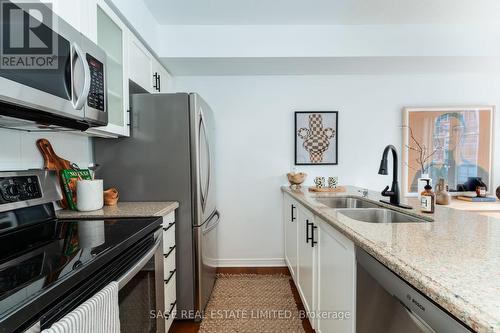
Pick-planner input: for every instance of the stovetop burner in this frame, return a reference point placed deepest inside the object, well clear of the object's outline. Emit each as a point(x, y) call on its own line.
point(43, 260)
point(61, 249)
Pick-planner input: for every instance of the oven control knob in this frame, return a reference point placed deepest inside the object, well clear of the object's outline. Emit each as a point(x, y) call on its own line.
point(30, 188)
point(12, 190)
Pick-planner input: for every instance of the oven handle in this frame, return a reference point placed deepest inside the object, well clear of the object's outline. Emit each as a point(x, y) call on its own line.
point(125, 278)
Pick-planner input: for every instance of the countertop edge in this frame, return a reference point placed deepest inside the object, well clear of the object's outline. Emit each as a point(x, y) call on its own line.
point(123, 210)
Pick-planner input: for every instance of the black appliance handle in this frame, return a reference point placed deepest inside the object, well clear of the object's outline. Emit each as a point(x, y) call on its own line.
point(308, 238)
point(313, 242)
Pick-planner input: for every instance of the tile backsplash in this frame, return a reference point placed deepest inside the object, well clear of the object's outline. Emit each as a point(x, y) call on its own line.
point(19, 152)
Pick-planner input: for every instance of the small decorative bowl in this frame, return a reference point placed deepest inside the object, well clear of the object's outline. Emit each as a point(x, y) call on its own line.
point(296, 179)
point(111, 197)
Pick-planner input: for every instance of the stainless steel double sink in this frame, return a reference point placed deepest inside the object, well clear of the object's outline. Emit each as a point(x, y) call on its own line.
point(363, 210)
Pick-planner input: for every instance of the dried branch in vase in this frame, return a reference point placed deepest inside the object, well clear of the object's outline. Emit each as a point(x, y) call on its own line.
point(424, 153)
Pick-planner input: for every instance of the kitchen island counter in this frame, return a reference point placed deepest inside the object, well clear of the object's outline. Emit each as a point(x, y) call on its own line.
point(454, 260)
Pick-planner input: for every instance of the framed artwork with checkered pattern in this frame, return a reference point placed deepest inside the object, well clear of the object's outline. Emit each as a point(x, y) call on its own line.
point(316, 138)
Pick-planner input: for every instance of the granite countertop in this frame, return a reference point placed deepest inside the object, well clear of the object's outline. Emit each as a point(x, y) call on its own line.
point(454, 260)
point(123, 210)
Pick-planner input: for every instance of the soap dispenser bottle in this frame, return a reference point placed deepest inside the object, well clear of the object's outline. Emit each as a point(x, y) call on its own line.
point(443, 197)
point(427, 199)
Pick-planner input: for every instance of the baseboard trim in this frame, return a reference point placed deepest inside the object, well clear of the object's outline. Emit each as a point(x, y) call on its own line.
point(267, 262)
point(254, 270)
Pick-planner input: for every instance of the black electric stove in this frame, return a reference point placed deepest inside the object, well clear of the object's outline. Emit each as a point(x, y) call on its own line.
point(45, 263)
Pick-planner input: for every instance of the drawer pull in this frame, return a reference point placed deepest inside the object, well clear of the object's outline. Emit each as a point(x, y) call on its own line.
point(172, 306)
point(170, 276)
point(169, 226)
point(170, 249)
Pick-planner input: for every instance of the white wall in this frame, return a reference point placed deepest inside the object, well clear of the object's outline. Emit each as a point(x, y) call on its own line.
point(383, 40)
point(255, 140)
point(19, 152)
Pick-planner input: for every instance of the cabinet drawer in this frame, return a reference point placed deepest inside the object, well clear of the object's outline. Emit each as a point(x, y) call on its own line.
point(168, 219)
point(170, 293)
point(171, 313)
point(169, 264)
point(168, 238)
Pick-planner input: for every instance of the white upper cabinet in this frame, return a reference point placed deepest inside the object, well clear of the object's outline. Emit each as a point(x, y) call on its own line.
point(74, 12)
point(110, 34)
point(127, 58)
point(140, 63)
point(161, 79)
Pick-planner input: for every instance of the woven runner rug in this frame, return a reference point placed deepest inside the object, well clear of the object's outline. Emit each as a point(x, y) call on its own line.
point(252, 303)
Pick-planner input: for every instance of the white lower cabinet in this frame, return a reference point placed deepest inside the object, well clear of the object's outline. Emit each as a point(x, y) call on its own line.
point(290, 225)
point(336, 281)
point(306, 259)
point(169, 268)
point(324, 271)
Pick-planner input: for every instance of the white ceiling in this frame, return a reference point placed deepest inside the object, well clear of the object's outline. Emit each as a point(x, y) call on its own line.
point(319, 12)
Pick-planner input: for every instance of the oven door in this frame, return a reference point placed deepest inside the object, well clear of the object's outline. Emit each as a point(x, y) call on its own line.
point(141, 296)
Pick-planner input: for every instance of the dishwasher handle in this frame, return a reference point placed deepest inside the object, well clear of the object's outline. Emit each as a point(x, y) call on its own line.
point(417, 320)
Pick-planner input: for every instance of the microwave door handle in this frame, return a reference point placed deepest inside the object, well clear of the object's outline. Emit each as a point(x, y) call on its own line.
point(126, 277)
point(80, 102)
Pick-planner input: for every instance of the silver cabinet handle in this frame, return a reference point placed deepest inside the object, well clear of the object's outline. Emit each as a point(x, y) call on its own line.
point(82, 98)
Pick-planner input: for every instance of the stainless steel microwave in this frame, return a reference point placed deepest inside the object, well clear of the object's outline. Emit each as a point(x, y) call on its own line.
point(62, 84)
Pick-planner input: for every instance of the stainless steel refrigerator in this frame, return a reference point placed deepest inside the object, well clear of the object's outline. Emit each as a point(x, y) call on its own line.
point(170, 157)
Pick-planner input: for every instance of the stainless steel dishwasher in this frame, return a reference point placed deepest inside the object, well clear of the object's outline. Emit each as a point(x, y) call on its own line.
point(386, 303)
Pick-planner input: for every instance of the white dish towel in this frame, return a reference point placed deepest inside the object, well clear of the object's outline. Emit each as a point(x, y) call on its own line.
point(99, 314)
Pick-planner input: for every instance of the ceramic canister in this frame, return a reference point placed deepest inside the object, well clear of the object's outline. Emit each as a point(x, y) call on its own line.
point(333, 182)
point(320, 182)
point(89, 195)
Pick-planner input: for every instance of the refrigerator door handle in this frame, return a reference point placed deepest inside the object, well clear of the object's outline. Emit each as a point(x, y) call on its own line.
point(211, 225)
point(202, 128)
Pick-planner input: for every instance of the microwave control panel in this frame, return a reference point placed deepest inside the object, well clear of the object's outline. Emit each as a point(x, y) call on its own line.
point(13, 189)
point(96, 94)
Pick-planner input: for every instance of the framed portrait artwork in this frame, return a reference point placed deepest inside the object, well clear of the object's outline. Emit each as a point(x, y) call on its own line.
point(453, 143)
point(316, 138)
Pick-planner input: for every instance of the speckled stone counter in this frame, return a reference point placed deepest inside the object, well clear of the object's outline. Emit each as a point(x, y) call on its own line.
point(122, 210)
point(454, 260)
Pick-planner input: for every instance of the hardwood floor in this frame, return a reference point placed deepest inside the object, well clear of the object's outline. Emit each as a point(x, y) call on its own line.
point(184, 326)
point(305, 322)
point(187, 326)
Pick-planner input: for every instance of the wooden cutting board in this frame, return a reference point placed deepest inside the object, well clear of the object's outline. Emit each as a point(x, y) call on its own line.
point(51, 161)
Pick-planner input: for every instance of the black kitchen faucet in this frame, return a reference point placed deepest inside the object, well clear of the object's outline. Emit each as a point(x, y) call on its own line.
point(393, 194)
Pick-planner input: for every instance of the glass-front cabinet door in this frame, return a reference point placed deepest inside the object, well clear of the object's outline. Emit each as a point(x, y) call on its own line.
point(110, 36)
